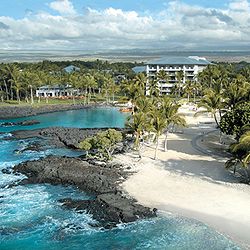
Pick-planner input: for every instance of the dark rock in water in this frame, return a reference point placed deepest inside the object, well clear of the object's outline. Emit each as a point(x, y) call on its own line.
point(28, 123)
point(7, 171)
point(110, 209)
point(32, 147)
point(8, 231)
point(23, 123)
point(69, 137)
point(7, 124)
point(65, 170)
point(110, 206)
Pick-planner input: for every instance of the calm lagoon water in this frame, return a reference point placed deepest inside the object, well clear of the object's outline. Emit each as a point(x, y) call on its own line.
point(82, 118)
point(31, 217)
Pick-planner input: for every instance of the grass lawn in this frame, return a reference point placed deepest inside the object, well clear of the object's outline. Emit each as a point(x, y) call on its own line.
point(53, 101)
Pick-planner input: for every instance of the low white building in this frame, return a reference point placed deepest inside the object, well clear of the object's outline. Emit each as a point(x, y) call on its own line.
point(190, 66)
point(55, 91)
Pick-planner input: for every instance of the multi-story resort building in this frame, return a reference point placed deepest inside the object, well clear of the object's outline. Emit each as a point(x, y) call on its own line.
point(190, 67)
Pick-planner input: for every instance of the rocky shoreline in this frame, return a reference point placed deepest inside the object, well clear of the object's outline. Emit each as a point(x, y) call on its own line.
point(109, 205)
point(102, 180)
point(7, 112)
point(60, 136)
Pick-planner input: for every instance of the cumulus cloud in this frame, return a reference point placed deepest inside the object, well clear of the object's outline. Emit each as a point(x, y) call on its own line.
point(240, 5)
point(63, 7)
point(179, 25)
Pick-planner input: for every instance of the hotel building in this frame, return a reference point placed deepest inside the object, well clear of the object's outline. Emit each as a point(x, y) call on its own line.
point(190, 66)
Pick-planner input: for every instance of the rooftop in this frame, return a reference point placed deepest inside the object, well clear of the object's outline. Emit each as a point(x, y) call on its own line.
point(139, 69)
point(71, 68)
point(191, 60)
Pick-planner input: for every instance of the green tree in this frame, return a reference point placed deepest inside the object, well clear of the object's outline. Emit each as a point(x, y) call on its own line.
point(154, 90)
point(104, 143)
point(86, 145)
point(233, 121)
point(213, 103)
point(138, 123)
point(169, 110)
point(240, 155)
point(159, 124)
point(180, 80)
point(162, 78)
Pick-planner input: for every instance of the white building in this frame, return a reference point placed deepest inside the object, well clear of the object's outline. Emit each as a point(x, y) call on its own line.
point(190, 66)
point(55, 91)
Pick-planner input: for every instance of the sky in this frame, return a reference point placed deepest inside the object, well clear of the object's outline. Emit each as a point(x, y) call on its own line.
point(96, 25)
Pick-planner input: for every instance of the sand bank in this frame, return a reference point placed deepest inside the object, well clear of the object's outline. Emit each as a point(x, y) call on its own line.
point(190, 183)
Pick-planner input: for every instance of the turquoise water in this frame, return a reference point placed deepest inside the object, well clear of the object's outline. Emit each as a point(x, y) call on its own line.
point(82, 118)
point(32, 218)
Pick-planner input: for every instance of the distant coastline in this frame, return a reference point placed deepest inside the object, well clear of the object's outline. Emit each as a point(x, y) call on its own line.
point(114, 56)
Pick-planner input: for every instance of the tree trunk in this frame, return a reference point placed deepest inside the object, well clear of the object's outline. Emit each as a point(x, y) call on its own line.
point(2, 95)
point(220, 137)
point(137, 144)
point(188, 98)
point(156, 147)
point(215, 118)
point(18, 96)
point(109, 154)
point(31, 96)
point(166, 142)
point(89, 97)
point(6, 90)
point(11, 92)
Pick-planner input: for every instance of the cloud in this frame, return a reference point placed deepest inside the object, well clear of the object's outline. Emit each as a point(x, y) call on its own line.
point(3, 26)
point(63, 7)
point(239, 5)
point(179, 25)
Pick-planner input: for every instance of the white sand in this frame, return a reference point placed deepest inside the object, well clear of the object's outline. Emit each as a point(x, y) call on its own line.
point(191, 184)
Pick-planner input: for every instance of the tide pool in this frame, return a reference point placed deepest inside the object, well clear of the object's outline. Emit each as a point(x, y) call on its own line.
point(31, 218)
point(82, 118)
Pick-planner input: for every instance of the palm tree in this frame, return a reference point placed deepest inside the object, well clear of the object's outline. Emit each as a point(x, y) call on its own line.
point(138, 123)
point(213, 103)
point(169, 109)
point(159, 124)
point(189, 88)
point(29, 80)
point(49, 80)
point(16, 81)
point(180, 79)
point(143, 104)
point(208, 76)
point(40, 80)
point(237, 91)
point(113, 88)
point(240, 154)
point(74, 80)
point(162, 77)
point(4, 73)
point(154, 90)
point(140, 80)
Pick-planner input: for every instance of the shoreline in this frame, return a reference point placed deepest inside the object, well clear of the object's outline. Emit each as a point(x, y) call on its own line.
point(108, 205)
point(190, 183)
point(15, 111)
point(98, 178)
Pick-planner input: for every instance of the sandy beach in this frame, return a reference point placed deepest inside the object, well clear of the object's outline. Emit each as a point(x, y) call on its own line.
point(191, 183)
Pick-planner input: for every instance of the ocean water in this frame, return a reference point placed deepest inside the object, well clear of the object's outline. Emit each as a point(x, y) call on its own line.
point(82, 118)
point(32, 218)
